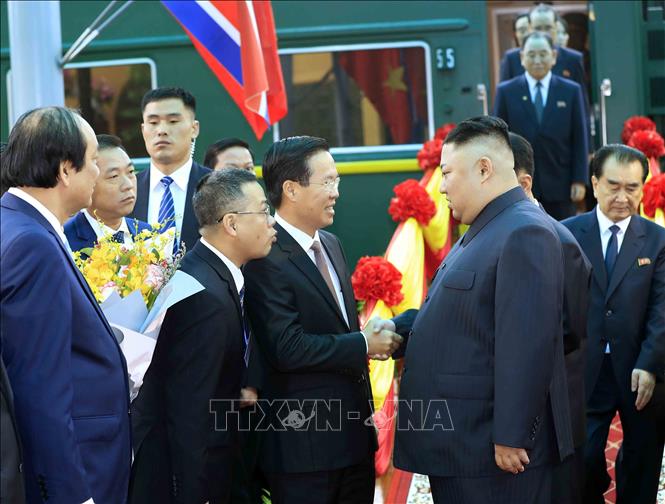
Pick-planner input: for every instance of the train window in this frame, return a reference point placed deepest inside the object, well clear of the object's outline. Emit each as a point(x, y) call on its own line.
point(108, 94)
point(360, 98)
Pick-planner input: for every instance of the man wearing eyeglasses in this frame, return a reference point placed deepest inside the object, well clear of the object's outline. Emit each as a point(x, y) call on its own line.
point(185, 444)
point(320, 445)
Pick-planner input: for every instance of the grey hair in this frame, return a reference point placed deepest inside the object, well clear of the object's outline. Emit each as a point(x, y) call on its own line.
point(219, 193)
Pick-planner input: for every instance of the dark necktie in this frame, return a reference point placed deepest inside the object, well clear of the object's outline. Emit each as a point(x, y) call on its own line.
point(538, 102)
point(323, 269)
point(611, 251)
point(245, 330)
point(166, 215)
point(119, 237)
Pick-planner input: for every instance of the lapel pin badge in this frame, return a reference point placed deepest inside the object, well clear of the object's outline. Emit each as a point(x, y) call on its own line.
point(561, 104)
point(643, 261)
point(566, 73)
point(524, 98)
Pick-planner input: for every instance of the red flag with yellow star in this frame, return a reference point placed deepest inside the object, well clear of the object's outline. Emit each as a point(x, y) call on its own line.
point(385, 76)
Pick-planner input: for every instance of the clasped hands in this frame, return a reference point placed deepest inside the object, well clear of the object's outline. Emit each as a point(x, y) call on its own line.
point(382, 340)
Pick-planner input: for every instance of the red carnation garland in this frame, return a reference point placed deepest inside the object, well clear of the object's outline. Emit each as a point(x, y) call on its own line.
point(375, 279)
point(430, 154)
point(649, 142)
point(411, 200)
point(654, 195)
point(443, 131)
point(636, 123)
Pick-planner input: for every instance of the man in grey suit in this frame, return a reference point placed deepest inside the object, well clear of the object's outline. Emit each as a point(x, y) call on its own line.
point(483, 408)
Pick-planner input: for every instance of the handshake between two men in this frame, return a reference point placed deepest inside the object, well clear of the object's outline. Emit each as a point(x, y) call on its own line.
point(382, 340)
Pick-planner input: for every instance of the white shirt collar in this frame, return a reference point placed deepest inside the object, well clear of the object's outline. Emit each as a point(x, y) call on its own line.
point(303, 239)
point(45, 212)
point(545, 81)
point(604, 222)
point(102, 230)
point(180, 176)
point(236, 273)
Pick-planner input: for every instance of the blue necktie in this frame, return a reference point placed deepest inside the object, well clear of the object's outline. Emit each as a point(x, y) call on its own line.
point(611, 251)
point(245, 331)
point(119, 237)
point(166, 216)
point(538, 102)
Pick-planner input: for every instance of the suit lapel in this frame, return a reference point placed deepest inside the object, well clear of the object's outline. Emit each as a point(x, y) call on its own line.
point(630, 249)
point(142, 195)
point(340, 268)
point(590, 242)
point(209, 257)
point(189, 222)
point(84, 230)
point(527, 104)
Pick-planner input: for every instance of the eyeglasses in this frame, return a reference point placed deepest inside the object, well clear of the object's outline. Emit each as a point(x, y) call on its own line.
point(329, 186)
point(265, 212)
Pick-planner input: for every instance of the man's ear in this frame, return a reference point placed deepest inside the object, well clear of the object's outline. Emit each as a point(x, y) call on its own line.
point(65, 172)
point(594, 184)
point(195, 129)
point(486, 168)
point(526, 181)
point(229, 224)
point(290, 190)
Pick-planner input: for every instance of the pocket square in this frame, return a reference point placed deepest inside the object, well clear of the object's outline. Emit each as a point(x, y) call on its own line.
point(561, 104)
point(643, 261)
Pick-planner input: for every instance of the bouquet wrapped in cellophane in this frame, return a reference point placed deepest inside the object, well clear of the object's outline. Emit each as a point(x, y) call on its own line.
point(135, 286)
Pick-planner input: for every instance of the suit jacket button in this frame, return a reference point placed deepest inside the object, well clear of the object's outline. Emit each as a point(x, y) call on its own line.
point(609, 313)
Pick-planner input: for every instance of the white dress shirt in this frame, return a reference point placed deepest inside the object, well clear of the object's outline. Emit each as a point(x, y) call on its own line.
point(178, 190)
point(306, 241)
point(236, 273)
point(544, 90)
point(104, 230)
point(604, 224)
point(45, 212)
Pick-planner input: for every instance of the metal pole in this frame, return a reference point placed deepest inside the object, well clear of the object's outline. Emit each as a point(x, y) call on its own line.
point(605, 91)
point(35, 47)
point(481, 95)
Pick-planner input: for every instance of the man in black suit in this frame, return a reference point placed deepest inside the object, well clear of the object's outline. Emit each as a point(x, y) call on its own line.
point(11, 476)
point(569, 63)
point(320, 447)
point(165, 190)
point(567, 477)
point(548, 111)
point(483, 407)
point(184, 446)
point(626, 328)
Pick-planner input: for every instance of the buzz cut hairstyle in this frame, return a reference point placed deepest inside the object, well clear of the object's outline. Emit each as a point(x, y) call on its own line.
point(165, 93)
point(219, 193)
point(105, 142)
point(538, 36)
point(480, 127)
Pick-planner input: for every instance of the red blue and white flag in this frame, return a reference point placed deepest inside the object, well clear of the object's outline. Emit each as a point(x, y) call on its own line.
point(237, 41)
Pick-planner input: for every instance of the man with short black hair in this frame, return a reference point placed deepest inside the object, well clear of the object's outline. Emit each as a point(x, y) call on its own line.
point(549, 112)
point(69, 376)
point(165, 190)
point(626, 330)
point(521, 28)
point(303, 314)
point(567, 484)
point(184, 440)
point(112, 200)
point(229, 153)
point(483, 408)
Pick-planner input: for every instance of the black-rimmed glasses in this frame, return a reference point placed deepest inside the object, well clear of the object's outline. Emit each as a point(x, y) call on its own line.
point(265, 212)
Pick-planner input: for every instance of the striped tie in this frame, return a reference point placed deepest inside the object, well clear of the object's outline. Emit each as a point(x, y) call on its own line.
point(166, 216)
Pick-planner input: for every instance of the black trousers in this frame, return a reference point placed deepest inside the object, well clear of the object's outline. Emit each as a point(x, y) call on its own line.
point(533, 486)
point(638, 467)
point(568, 479)
point(559, 209)
point(349, 485)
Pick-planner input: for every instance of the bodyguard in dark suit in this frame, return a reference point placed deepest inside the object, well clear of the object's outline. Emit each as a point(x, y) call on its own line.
point(321, 442)
point(626, 328)
point(548, 111)
point(567, 477)
point(11, 478)
point(165, 190)
point(483, 407)
point(184, 441)
point(113, 198)
point(68, 374)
